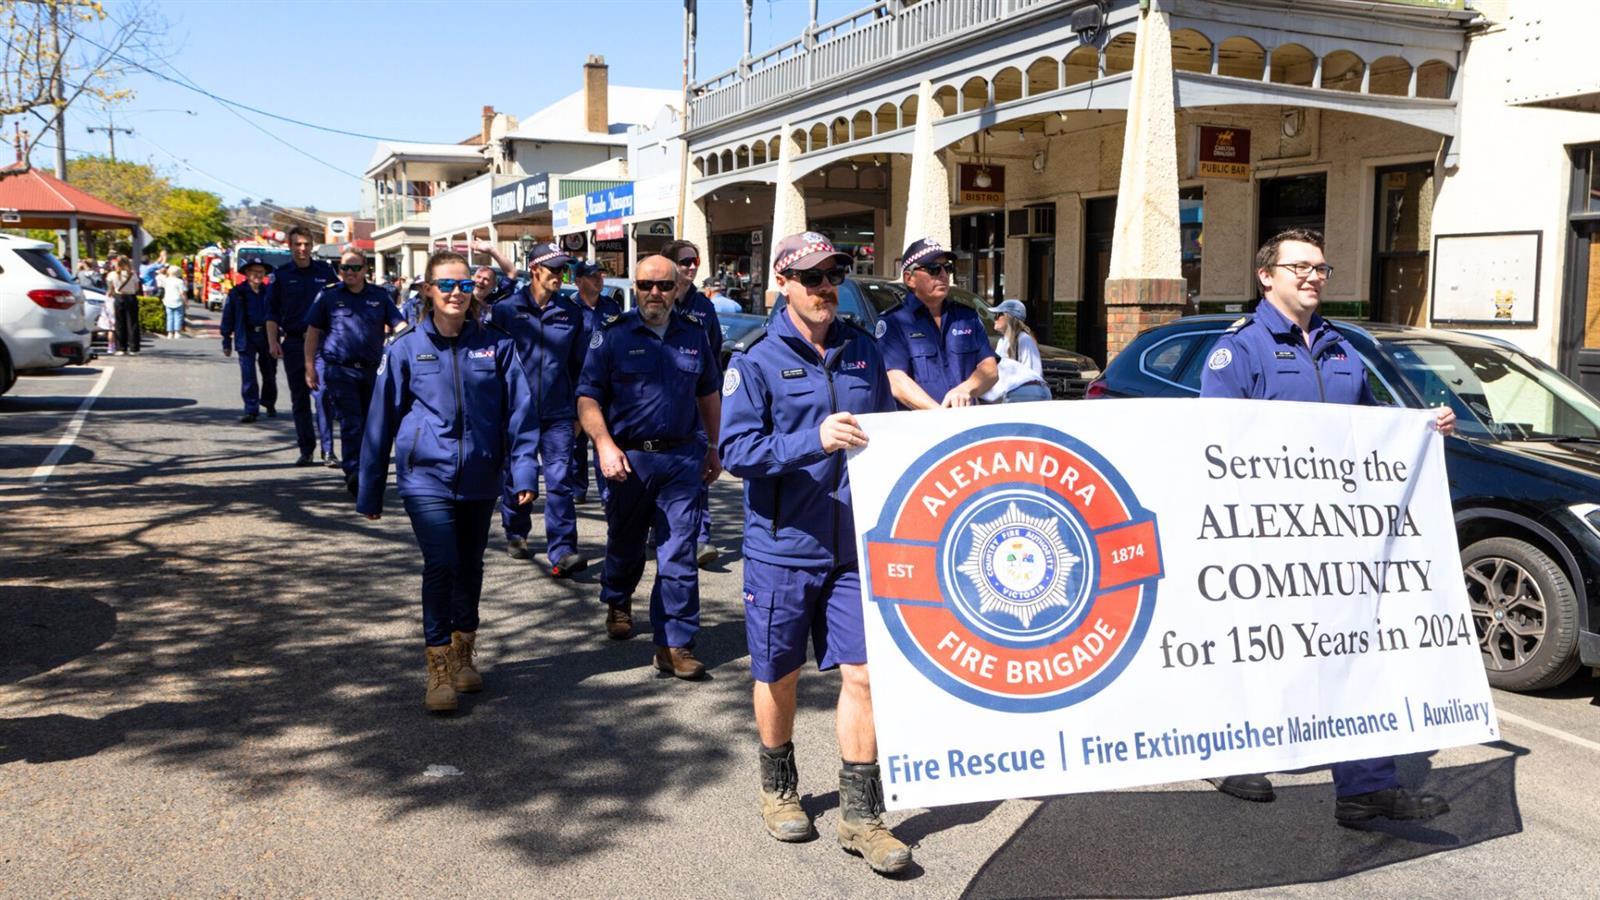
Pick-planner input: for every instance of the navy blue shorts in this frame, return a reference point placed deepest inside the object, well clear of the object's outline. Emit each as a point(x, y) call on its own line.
point(783, 606)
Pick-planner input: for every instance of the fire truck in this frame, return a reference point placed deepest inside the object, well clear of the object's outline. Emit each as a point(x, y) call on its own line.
point(220, 266)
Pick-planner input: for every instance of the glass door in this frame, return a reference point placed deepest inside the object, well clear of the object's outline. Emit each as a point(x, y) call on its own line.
point(1401, 241)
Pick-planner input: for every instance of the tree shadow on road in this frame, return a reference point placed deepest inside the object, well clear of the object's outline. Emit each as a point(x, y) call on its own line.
point(1163, 843)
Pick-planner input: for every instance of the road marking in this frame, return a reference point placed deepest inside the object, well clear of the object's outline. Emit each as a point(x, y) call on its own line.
point(46, 468)
point(1546, 729)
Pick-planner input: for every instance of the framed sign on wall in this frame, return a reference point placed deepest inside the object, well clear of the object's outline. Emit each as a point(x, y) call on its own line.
point(1489, 278)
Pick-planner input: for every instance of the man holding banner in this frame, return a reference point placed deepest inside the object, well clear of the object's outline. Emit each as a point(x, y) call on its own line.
point(1287, 351)
point(788, 420)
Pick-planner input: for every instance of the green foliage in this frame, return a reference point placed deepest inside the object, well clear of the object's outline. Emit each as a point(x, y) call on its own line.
point(152, 315)
point(182, 220)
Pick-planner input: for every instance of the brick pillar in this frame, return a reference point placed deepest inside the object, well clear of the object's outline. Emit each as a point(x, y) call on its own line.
point(1134, 304)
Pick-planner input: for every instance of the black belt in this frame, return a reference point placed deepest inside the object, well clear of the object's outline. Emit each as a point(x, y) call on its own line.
point(351, 365)
point(294, 334)
point(653, 445)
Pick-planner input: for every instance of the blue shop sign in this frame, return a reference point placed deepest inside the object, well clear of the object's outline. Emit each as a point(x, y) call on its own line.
point(611, 203)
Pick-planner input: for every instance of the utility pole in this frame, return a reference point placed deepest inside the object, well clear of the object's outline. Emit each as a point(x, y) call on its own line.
point(111, 129)
point(59, 95)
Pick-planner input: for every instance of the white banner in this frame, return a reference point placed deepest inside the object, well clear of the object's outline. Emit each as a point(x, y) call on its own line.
point(1076, 596)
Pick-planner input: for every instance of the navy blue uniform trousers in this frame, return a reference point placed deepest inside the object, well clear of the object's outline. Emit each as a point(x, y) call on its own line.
point(294, 369)
point(253, 356)
point(661, 493)
point(348, 392)
point(560, 510)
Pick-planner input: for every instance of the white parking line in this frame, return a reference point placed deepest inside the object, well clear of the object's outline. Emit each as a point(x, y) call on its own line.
point(1557, 733)
point(46, 468)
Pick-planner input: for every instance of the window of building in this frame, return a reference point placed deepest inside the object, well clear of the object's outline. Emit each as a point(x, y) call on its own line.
point(1401, 241)
point(1191, 234)
point(1580, 320)
point(980, 239)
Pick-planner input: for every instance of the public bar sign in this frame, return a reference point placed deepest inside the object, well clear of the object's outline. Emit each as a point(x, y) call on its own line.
point(1070, 597)
point(980, 185)
point(1224, 153)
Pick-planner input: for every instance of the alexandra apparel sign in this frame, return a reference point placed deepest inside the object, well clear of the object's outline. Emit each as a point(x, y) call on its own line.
point(520, 198)
point(1135, 592)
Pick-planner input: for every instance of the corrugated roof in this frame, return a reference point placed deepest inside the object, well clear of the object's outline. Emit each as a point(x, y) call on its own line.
point(34, 191)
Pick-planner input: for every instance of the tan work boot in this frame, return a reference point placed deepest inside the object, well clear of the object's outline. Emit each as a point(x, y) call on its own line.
point(780, 796)
point(679, 661)
point(441, 696)
point(464, 675)
point(619, 621)
point(861, 828)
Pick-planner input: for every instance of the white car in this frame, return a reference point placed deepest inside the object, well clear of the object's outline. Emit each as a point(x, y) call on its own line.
point(42, 322)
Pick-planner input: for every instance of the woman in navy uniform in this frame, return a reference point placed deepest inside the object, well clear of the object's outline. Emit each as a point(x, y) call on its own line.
point(244, 325)
point(452, 402)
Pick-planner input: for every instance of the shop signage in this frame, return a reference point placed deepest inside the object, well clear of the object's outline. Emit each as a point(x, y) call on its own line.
point(609, 230)
point(1224, 153)
point(611, 203)
point(567, 214)
point(520, 198)
point(980, 184)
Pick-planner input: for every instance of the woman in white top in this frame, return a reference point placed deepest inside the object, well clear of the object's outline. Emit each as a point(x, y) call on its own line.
point(1021, 370)
point(172, 298)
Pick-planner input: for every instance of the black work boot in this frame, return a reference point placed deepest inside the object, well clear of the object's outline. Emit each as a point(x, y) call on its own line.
point(1390, 803)
point(861, 828)
point(780, 796)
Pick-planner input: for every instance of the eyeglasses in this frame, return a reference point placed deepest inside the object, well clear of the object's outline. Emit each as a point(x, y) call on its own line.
point(1304, 269)
point(689, 261)
point(355, 268)
point(938, 269)
point(645, 286)
point(813, 277)
point(451, 285)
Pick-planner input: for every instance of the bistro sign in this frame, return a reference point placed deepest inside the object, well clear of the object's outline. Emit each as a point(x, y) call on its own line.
point(980, 184)
point(520, 198)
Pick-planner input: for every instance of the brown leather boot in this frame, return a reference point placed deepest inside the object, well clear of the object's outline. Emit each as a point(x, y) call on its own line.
point(785, 819)
point(619, 621)
point(679, 661)
point(861, 828)
point(464, 676)
point(441, 695)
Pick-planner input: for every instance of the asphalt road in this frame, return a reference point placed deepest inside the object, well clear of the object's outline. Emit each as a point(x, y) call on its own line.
point(211, 679)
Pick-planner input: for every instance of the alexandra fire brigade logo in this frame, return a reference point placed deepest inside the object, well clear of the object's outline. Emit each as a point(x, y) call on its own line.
point(1015, 568)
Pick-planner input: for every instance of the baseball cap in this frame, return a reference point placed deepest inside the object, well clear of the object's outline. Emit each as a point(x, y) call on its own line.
point(584, 267)
point(807, 250)
point(548, 255)
point(923, 252)
point(1013, 308)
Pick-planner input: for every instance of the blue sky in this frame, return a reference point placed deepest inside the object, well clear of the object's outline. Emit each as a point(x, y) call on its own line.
point(414, 71)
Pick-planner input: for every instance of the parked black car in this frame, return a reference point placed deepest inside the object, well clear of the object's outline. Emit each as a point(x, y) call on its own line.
point(862, 299)
point(1524, 469)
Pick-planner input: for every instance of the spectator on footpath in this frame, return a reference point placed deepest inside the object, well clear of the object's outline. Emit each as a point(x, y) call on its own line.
point(451, 403)
point(937, 351)
point(1286, 350)
point(791, 400)
point(1021, 371)
point(648, 398)
point(171, 286)
point(124, 292)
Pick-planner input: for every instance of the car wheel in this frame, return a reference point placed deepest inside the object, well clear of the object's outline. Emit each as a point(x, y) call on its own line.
point(8, 372)
point(1525, 613)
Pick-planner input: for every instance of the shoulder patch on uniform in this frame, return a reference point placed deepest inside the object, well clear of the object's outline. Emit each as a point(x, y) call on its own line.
point(1220, 358)
point(879, 329)
point(730, 381)
point(1239, 323)
point(598, 339)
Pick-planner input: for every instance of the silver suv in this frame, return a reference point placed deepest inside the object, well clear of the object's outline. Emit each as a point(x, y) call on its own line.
point(42, 323)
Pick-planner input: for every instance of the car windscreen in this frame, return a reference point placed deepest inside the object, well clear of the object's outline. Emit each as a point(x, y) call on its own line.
point(1497, 392)
point(853, 304)
point(45, 263)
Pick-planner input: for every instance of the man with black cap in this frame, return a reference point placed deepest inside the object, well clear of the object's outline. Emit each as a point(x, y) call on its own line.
point(548, 330)
point(695, 307)
point(790, 401)
point(598, 312)
point(244, 325)
point(937, 351)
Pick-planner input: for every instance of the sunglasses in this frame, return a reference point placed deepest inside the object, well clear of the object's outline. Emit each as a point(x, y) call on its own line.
point(355, 268)
point(689, 261)
point(814, 277)
point(938, 269)
point(645, 286)
point(451, 285)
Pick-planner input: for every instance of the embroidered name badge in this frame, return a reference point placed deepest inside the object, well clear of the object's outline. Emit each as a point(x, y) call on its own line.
point(637, 351)
point(917, 334)
point(794, 373)
point(1284, 354)
point(427, 357)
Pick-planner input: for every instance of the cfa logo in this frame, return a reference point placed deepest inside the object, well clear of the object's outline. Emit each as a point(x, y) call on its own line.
point(1015, 568)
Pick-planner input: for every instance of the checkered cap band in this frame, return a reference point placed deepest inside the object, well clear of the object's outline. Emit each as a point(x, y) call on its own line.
point(788, 259)
point(928, 249)
point(546, 256)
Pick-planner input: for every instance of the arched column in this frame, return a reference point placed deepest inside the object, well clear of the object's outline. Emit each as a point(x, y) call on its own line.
point(928, 194)
point(788, 202)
